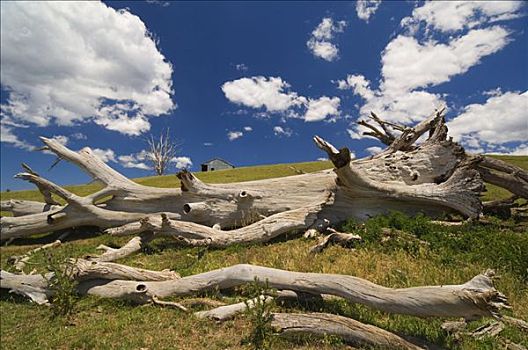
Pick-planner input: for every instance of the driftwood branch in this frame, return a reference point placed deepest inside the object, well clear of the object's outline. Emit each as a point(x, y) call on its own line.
point(90, 269)
point(19, 262)
point(192, 234)
point(334, 237)
point(19, 207)
point(351, 331)
point(473, 299)
point(226, 312)
point(46, 193)
point(408, 135)
point(131, 247)
point(512, 182)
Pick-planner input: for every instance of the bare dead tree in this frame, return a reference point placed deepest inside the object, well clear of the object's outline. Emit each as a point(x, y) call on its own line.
point(160, 151)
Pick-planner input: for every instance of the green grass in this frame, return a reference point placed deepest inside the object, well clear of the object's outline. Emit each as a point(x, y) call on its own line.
point(494, 192)
point(451, 255)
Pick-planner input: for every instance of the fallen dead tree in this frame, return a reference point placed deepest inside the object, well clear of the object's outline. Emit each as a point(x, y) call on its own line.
point(471, 300)
point(433, 177)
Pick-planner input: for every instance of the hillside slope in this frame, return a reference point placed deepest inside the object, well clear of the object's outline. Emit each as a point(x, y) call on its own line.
point(242, 174)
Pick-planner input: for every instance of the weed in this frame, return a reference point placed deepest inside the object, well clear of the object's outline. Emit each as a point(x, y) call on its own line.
point(259, 314)
point(487, 244)
point(62, 284)
point(333, 340)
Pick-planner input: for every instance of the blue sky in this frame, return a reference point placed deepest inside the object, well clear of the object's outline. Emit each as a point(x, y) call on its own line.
point(253, 82)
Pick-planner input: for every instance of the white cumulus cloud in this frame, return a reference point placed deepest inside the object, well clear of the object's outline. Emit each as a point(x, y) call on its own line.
point(320, 41)
point(135, 160)
point(501, 119)
point(270, 93)
point(408, 67)
point(451, 16)
point(274, 95)
point(79, 136)
point(319, 109)
point(7, 136)
point(233, 135)
point(62, 139)
point(73, 62)
point(324, 49)
point(366, 8)
point(358, 84)
point(280, 131)
point(408, 64)
point(106, 155)
point(182, 162)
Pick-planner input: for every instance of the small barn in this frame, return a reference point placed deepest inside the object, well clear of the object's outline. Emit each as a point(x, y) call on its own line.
point(216, 164)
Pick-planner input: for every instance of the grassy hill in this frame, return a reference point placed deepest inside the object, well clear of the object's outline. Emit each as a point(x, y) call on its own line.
point(451, 255)
point(242, 174)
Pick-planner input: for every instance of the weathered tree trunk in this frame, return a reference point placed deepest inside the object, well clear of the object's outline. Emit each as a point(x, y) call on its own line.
point(473, 299)
point(351, 331)
point(434, 177)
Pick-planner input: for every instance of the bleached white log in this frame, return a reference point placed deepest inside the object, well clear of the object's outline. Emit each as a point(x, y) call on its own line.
point(89, 269)
point(132, 246)
point(513, 182)
point(258, 232)
point(19, 207)
point(34, 287)
point(351, 331)
point(473, 299)
point(227, 312)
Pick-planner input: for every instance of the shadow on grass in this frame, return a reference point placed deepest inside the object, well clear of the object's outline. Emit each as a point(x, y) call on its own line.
point(75, 234)
point(5, 295)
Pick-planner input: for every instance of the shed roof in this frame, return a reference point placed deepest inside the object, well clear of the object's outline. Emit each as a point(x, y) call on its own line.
point(220, 159)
